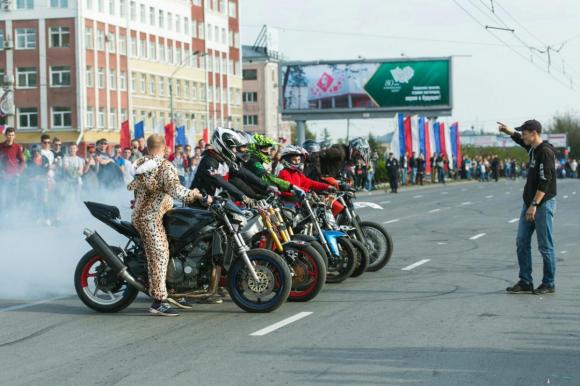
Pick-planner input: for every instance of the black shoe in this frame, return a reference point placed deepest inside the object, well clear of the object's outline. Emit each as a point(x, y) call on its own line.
point(182, 303)
point(545, 289)
point(162, 309)
point(521, 287)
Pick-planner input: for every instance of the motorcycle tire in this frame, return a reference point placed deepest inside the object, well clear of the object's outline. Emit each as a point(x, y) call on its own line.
point(379, 244)
point(340, 268)
point(269, 266)
point(308, 269)
point(315, 244)
point(89, 297)
point(362, 259)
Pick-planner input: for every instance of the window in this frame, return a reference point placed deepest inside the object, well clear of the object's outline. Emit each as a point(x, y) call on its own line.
point(197, 2)
point(194, 91)
point(133, 11)
point(170, 57)
point(25, 38)
point(26, 77)
point(90, 77)
point(201, 30)
point(112, 79)
point(230, 66)
point(209, 33)
point(194, 28)
point(123, 44)
point(178, 54)
point(216, 33)
point(177, 24)
point(101, 77)
point(134, 46)
point(169, 21)
point(161, 19)
point(122, 81)
point(216, 63)
point(1, 39)
point(25, 4)
point(250, 97)
point(161, 86)
point(133, 82)
point(28, 118)
point(162, 57)
point(152, 84)
point(100, 40)
point(59, 3)
point(101, 118)
point(142, 84)
point(209, 62)
point(112, 118)
point(233, 10)
point(152, 51)
point(222, 5)
point(90, 117)
point(236, 39)
point(185, 26)
point(123, 8)
point(250, 74)
point(101, 6)
point(143, 14)
point(89, 43)
point(123, 115)
point(60, 76)
point(89, 4)
point(143, 48)
point(112, 7)
point(152, 16)
point(251, 120)
point(61, 117)
point(231, 38)
point(185, 90)
point(111, 43)
point(178, 88)
point(224, 36)
point(210, 94)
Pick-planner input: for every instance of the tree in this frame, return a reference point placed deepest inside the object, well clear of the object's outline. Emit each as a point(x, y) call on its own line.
point(325, 135)
point(374, 144)
point(569, 124)
point(308, 134)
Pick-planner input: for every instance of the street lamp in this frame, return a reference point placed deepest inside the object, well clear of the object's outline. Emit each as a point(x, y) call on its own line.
point(183, 63)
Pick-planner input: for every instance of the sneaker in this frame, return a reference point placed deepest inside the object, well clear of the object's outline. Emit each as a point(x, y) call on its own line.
point(162, 309)
point(182, 303)
point(521, 287)
point(545, 289)
point(223, 293)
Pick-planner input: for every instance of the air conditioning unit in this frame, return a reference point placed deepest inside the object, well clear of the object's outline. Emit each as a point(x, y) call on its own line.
point(8, 44)
point(7, 5)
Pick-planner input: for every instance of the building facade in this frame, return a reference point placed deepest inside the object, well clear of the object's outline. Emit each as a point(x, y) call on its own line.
point(261, 93)
point(79, 68)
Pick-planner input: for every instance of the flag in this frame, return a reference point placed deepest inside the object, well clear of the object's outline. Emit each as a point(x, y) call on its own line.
point(408, 135)
point(442, 136)
point(2, 129)
point(170, 137)
point(448, 148)
point(401, 134)
point(456, 144)
point(181, 140)
point(436, 137)
point(205, 135)
point(139, 130)
point(415, 144)
point(421, 132)
point(428, 143)
point(395, 147)
point(125, 135)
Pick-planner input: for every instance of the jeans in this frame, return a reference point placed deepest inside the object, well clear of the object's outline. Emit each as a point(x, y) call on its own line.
point(370, 176)
point(543, 225)
point(414, 176)
point(403, 176)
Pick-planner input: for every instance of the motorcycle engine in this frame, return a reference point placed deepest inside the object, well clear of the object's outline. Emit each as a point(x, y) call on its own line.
point(188, 270)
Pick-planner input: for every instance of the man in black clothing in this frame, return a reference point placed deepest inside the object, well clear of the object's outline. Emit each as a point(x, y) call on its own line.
point(539, 207)
point(393, 169)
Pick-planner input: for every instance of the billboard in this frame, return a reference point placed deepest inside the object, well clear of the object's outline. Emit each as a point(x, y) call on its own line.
point(367, 88)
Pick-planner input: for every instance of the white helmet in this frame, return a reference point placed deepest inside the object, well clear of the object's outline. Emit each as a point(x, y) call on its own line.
point(223, 141)
point(289, 151)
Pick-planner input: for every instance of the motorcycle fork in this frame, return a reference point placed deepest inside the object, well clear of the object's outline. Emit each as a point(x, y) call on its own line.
point(242, 248)
point(352, 220)
point(280, 224)
point(270, 228)
point(316, 225)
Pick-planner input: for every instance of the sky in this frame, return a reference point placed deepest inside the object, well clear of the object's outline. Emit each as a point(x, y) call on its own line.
point(492, 80)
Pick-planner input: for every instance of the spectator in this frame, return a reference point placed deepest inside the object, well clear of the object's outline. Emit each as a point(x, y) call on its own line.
point(440, 165)
point(135, 152)
point(574, 168)
point(404, 164)
point(73, 169)
point(109, 173)
point(413, 167)
point(118, 157)
point(37, 171)
point(392, 166)
point(11, 165)
point(433, 167)
point(128, 170)
point(179, 160)
point(421, 164)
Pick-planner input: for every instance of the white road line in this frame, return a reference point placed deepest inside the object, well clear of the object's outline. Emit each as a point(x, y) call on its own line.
point(465, 203)
point(464, 190)
point(434, 210)
point(513, 220)
point(417, 196)
point(385, 202)
point(414, 265)
point(477, 236)
point(573, 193)
point(563, 252)
point(26, 305)
point(280, 324)
point(508, 192)
point(444, 192)
point(490, 196)
point(392, 221)
point(565, 197)
point(441, 243)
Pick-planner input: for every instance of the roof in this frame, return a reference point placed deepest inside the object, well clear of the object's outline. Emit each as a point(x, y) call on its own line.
point(255, 54)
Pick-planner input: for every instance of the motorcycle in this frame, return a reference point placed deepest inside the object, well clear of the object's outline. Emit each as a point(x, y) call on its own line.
point(204, 244)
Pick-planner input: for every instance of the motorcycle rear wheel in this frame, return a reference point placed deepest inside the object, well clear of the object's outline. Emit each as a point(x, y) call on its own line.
point(309, 272)
point(362, 259)
point(89, 271)
point(267, 295)
point(379, 243)
point(341, 267)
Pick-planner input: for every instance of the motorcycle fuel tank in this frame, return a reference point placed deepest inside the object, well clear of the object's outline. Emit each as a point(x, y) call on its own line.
point(181, 223)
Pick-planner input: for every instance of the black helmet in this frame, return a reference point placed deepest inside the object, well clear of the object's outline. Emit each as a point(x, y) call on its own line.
point(223, 141)
point(311, 146)
point(359, 148)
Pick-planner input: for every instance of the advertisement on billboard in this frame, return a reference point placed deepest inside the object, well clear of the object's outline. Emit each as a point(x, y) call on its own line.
point(388, 86)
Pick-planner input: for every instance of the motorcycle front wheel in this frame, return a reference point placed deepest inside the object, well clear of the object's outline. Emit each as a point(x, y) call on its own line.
point(308, 271)
point(100, 289)
point(342, 266)
point(362, 258)
point(270, 292)
point(379, 244)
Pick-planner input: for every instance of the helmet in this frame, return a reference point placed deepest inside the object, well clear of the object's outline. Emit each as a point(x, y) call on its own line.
point(245, 140)
point(311, 146)
point(289, 151)
point(223, 141)
point(325, 144)
point(260, 142)
point(358, 148)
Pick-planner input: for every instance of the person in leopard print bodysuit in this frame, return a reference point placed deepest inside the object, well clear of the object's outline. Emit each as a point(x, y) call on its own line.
point(155, 185)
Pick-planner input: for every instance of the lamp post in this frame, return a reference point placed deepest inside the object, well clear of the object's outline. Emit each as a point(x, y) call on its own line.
point(183, 63)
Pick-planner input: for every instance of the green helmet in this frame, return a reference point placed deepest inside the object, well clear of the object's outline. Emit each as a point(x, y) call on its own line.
point(260, 141)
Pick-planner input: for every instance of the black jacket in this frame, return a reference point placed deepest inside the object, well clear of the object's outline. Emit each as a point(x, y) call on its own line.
point(541, 170)
point(212, 174)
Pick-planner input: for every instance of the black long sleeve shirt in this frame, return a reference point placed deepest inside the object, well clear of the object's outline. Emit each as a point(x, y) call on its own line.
point(541, 170)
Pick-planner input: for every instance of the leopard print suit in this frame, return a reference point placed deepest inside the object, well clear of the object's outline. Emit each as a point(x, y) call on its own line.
point(156, 183)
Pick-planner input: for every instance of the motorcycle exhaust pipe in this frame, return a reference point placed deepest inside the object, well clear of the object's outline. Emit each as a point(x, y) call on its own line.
point(114, 262)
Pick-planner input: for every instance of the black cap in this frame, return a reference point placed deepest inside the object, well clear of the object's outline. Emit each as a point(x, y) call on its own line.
point(531, 125)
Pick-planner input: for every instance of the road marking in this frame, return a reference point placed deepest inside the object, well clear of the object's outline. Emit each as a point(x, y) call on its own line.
point(465, 203)
point(565, 197)
point(363, 204)
point(280, 324)
point(513, 220)
point(508, 192)
point(563, 252)
point(21, 306)
point(444, 192)
point(415, 265)
point(441, 243)
point(434, 210)
point(477, 236)
point(464, 190)
point(573, 193)
point(490, 196)
point(417, 196)
point(385, 202)
point(392, 221)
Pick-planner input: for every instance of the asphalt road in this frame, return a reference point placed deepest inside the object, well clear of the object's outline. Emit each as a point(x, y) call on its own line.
point(445, 321)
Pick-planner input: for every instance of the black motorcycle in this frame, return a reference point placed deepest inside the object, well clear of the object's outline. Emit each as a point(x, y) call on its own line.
point(204, 245)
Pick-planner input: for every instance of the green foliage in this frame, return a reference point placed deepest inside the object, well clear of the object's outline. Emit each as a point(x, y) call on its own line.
point(308, 134)
point(374, 144)
point(325, 134)
point(381, 174)
point(570, 124)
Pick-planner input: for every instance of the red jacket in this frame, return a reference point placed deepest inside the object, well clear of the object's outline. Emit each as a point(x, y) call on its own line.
point(298, 179)
point(11, 159)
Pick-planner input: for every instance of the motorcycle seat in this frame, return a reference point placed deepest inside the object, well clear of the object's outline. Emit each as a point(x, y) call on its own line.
point(128, 228)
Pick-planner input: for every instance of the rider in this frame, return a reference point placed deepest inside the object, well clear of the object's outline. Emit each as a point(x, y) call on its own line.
point(156, 183)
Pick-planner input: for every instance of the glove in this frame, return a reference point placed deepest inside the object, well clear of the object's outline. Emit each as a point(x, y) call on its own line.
point(273, 189)
point(331, 189)
point(247, 200)
point(346, 187)
point(298, 192)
